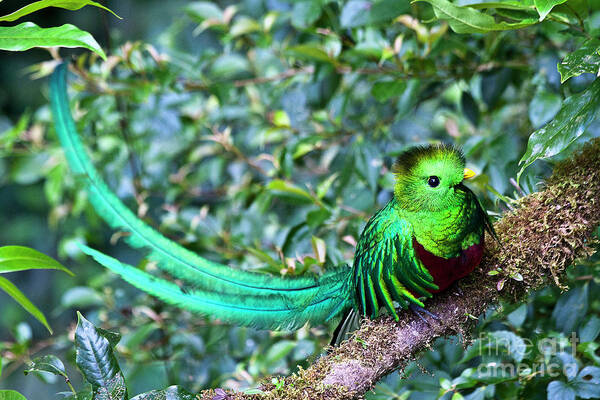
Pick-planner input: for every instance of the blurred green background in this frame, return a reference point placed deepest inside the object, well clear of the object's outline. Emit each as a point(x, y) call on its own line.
point(252, 132)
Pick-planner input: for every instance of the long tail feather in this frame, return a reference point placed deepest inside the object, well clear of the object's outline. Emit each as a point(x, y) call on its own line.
point(207, 278)
point(173, 258)
point(266, 312)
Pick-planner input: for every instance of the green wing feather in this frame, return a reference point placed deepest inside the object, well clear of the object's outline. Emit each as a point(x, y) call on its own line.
point(211, 282)
point(383, 254)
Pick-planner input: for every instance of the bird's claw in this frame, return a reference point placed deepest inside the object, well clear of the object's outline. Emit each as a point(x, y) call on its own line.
point(420, 311)
point(459, 291)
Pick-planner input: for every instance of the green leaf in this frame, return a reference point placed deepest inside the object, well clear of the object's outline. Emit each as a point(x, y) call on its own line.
point(589, 350)
point(28, 35)
point(579, 9)
point(48, 363)
point(18, 258)
point(113, 337)
point(80, 297)
point(133, 340)
point(281, 119)
point(558, 390)
point(8, 137)
point(359, 13)
point(508, 5)
point(229, 66)
point(22, 332)
point(325, 185)
point(305, 145)
point(287, 189)
point(355, 13)
point(576, 113)
point(469, 107)
point(368, 163)
point(495, 344)
point(170, 393)
point(514, 344)
point(325, 83)
point(315, 218)
point(590, 331)
point(409, 98)
point(545, 6)
point(493, 84)
point(203, 10)
point(384, 11)
point(319, 248)
point(279, 350)
point(304, 349)
point(372, 44)
point(244, 25)
point(385, 90)
point(27, 168)
point(518, 316)
point(305, 13)
point(566, 362)
point(264, 257)
point(587, 383)
point(310, 52)
point(469, 20)
point(20, 298)
point(97, 362)
point(586, 59)
point(543, 108)
point(11, 395)
point(67, 4)
point(571, 308)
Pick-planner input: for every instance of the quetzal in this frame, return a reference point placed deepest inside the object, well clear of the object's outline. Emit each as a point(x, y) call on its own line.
point(429, 235)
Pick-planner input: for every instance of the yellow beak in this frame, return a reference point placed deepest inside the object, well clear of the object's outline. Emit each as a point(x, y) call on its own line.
point(468, 173)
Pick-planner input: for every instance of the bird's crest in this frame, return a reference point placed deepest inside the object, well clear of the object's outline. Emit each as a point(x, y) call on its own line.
point(411, 157)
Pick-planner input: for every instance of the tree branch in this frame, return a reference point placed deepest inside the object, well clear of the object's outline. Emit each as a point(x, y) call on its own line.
point(537, 242)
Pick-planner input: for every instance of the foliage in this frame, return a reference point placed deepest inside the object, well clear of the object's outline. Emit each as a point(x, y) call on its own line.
point(264, 137)
point(576, 113)
point(23, 37)
point(28, 35)
point(17, 258)
point(99, 366)
point(40, 5)
point(11, 395)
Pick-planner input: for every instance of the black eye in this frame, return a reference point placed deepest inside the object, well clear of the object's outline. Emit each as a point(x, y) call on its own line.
point(433, 181)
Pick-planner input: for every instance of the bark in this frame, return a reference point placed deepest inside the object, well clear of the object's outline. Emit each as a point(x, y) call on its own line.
point(547, 232)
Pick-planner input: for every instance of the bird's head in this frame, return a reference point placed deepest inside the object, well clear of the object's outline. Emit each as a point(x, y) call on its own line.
point(428, 178)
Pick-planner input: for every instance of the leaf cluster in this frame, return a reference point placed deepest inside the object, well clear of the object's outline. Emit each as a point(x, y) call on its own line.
point(27, 35)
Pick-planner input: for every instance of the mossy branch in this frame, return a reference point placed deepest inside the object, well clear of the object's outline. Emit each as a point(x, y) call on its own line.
point(537, 241)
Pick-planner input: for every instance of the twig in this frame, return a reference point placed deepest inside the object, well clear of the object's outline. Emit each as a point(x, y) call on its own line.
point(224, 139)
point(188, 85)
point(570, 25)
point(265, 79)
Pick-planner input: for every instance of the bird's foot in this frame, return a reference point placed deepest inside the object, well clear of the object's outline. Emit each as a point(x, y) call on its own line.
point(459, 291)
point(420, 311)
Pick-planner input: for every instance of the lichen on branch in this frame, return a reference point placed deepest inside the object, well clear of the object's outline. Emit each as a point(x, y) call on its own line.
point(538, 240)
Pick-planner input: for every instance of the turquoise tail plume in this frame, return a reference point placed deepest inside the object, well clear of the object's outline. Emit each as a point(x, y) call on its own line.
point(210, 288)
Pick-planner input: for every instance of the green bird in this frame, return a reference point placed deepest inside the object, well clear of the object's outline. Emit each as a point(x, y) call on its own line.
point(428, 236)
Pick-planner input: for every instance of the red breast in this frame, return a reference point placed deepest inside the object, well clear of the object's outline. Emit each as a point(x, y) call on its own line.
point(445, 271)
